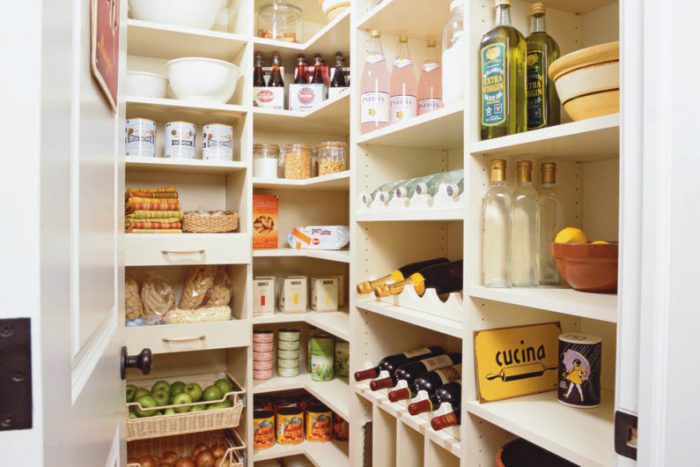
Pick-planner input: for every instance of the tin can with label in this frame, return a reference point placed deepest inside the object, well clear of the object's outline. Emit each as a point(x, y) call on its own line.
point(321, 350)
point(140, 137)
point(580, 359)
point(341, 361)
point(341, 428)
point(290, 426)
point(263, 429)
point(217, 142)
point(289, 335)
point(180, 138)
point(319, 423)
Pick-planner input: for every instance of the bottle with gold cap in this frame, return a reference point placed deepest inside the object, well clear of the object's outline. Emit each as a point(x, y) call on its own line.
point(430, 83)
point(551, 222)
point(495, 232)
point(542, 50)
point(525, 228)
point(503, 77)
point(398, 275)
point(404, 91)
point(444, 278)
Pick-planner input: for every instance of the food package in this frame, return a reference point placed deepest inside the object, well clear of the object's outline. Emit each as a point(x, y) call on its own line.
point(220, 293)
point(319, 237)
point(200, 315)
point(324, 293)
point(264, 290)
point(158, 296)
point(294, 297)
point(197, 286)
point(134, 305)
point(265, 212)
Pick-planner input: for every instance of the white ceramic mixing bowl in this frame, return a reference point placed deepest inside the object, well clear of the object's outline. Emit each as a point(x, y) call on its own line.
point(192, 13)
point(203, 79)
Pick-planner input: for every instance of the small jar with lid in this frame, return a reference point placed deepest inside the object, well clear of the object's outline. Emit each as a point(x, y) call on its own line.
point(332, 157)
point(297, 161)
point(266, 158)
point(280, 21)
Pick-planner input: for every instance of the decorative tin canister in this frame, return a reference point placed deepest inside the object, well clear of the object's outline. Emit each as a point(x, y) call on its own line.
point(319, 423)
point(217, 142)
point(580, 358)
point(180, 140)
point(263, 429)
point(140, 137)
point(290, 426)
point(321, 348)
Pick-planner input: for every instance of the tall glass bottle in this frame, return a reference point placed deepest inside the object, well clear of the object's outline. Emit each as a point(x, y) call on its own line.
point(404, 90)
point(338, 80)
point(542, 50)
point(551, 222)
point(300, 71)
point(495, 234)
point(374, 107)
point(503, 77)
point(430, 83)
point(276, 79)
point(525, 228)
point(258, 73)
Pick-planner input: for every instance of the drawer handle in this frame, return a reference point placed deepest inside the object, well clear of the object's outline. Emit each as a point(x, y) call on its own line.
point(168, 340)
point(183, 252)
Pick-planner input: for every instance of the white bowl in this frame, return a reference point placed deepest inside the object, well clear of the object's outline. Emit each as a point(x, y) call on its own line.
point(192, 13)
point(203, 79)
point(145, 84)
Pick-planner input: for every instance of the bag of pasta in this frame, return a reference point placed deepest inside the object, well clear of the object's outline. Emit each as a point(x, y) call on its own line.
point(197, 286)
point(133, 305)
point(158, 296)
point(220, 293)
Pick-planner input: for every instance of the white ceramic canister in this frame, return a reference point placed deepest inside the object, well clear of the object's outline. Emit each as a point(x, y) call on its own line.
point(140, 137)
point(180, 140)
point(217, 142)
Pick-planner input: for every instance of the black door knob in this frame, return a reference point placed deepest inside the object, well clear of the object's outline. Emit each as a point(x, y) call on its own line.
point(142, 361)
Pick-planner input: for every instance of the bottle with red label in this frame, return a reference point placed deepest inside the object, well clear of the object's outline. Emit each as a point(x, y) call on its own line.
point(430, 84)
point(410, 371)
point(404, 91)
point(392, 362)
point(374, 106)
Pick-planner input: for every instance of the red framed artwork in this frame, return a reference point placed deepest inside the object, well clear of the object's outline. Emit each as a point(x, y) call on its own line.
point(104, 47)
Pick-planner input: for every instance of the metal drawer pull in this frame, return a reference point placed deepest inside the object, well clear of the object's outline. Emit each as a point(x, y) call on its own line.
point(168, 340)
point(183, 252)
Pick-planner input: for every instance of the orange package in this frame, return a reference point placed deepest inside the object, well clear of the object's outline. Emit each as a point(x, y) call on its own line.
point(265, 213)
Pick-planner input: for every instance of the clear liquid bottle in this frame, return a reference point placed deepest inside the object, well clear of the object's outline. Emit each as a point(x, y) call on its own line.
point(374, 107)
point(525, 227)
point(451, 179)
point(503, 77)
point(408, 190)
point(369, 198)
point(430, 84)
point(495, 234)
point(404, 91)
point(542, 50)
point(551, 215)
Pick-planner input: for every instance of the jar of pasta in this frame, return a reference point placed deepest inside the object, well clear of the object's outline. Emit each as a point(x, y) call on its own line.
point(332, 157)
point(297, 161)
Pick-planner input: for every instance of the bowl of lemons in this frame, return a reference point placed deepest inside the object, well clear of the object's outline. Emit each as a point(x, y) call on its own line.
point(584, 265)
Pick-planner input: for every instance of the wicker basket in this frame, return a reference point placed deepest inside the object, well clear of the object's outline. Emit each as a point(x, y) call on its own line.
point(210, 221)
point(183, 445)
point(187, 422)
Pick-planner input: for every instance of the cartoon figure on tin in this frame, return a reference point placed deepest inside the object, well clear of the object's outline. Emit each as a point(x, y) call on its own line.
point(577, 371)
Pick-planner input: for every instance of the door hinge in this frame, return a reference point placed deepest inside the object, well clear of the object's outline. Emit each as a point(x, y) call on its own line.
point(626, 434)
point(15, 374)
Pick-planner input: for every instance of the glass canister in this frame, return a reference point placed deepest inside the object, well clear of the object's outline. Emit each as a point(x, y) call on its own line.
point(297, 161)
point(332, 157)
point(280, 21)
point(266, 158)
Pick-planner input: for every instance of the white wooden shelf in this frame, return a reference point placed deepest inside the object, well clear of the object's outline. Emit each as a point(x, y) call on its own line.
point(199, 113)
point(173, 249)
point(456, 214)
point(333, 453)
point(188, 166)
point(414, 317)
point(586, 140)
point(340, 256)
point(601, 307)
point(330, 118)
point(420, 18)
point(441, 129)
point(169, 41)
point(335, 181)
point(576, 6)
point(336, 323)
point(582, 436)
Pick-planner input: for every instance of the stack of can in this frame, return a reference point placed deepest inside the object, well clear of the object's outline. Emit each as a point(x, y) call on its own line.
point(262, 354)
point(288, 354)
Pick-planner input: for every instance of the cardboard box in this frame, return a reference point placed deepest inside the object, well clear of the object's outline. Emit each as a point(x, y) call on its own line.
point(265, 217)
point(324, 294)
point(264, 292)
point(294, 297)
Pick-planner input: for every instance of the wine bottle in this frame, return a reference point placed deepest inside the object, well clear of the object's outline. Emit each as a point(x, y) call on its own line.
point(391, 362)
point(428, 382)
point(444, 278)
point(409, 189)
point(432, 186)
point(450, 419)
point(369, 198)
point(409, 371)
point(398, 275)
point(451, 393)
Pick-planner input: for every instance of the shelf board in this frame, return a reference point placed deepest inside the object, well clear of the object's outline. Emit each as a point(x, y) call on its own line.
point(169, 41)
point(333, 453)
point(414, 317)
point(335, 181)
point(340, 256)
point(423, 19)
point(189, 166)
point(333, 37)
point(333, 322)
point(577, 6)
point(602, 307)
point(330, 118)
point(586, 140)
point(166, 110)
point(455, 214)
point(441, 129)
point(582, 436)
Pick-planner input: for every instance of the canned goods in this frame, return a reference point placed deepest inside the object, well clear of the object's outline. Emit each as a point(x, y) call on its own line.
point(341, 428)
point(341, 361)
point(262, 365)
point(140, 137)
point(262, 347)
point(290, 426)
point(263, 429)
point(321, 357)
point(289, 335)
point(288, 345)
point(264, 337)
point(580, 358)
point(281, 363)
point(263, 356)
point(262, 375)
point(180, 140)
point(288, 372)
point(217, 142)
point(287, 354)
point(319, 423)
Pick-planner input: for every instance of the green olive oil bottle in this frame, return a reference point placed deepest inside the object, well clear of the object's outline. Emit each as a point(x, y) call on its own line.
point(542, 50)
point(503, 77)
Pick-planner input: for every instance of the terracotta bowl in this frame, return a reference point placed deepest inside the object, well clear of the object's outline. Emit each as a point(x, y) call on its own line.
point(587, 267)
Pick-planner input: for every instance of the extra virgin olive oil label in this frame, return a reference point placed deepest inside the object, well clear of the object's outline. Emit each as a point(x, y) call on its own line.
point(493, 85)
point(536, 117)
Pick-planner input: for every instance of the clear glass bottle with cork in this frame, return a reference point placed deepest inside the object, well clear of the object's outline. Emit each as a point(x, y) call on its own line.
point(525, 228)
point(551, 222)
point(495, 232)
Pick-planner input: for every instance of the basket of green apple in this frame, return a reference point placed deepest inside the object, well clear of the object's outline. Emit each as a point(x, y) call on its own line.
point(189, 405)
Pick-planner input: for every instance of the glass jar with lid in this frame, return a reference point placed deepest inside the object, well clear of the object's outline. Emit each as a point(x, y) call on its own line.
point(297, 161)
point(280, 21)
point(266, 158)
point(332, 157)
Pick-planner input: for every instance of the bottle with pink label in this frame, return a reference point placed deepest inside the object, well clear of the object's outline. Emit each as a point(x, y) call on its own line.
point(374, 106)
point(430, 84)
point(404, 95)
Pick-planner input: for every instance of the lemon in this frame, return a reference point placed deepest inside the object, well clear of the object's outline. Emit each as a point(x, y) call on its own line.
point(600, 242)
point(570, 235)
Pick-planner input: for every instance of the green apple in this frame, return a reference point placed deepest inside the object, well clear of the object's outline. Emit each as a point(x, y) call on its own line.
point(212, 393)
point(199, 408)
point(162, 397)
point(130, 392)
point(194, 390)
point(176, 388)
point(146, 401)
point(161, 385)
point(220, 405)
point(141, 392)
point(182, 398)
point(169, 411)
point(224, 385)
